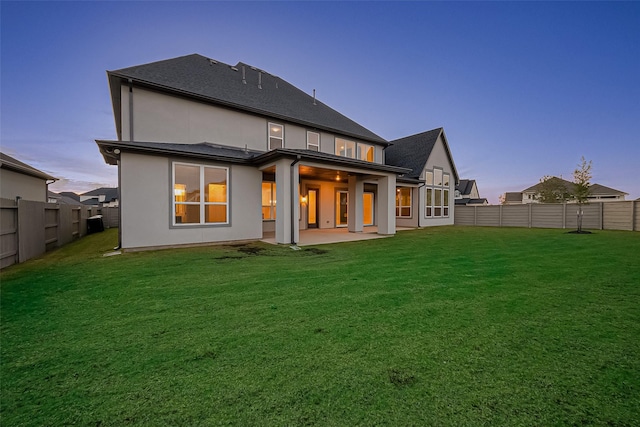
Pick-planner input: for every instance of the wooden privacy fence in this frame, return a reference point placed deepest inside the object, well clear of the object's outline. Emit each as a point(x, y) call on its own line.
point(623, 215)
point(28, 229)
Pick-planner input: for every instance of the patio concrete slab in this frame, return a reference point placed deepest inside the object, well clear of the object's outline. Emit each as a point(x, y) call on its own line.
point(323, 236)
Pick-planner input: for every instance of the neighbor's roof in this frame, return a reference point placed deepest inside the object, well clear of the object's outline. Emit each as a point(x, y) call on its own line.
point(412, 152)
point(594, 189)
point(241, 87)
point(8, 162)
point(470, 201)
point(62, 198)
point(465, 186)
point(108, 193)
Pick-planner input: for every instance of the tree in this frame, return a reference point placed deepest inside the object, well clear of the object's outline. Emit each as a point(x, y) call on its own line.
point(582, 187)
point(552, 190)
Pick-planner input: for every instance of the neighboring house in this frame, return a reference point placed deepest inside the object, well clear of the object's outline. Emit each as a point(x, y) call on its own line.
point(467, 193)
point(18, 179)
point(424, 195)
point(598, 193)
point(70, 195)
point(63, 198)
point(103, 197)
point(209, 152)
point(512, 198)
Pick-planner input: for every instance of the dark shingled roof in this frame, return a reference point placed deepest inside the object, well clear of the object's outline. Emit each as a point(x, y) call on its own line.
point(465, 186)
point(594, 189)
point(260, 93)
point(108, 193)
point(412, 152)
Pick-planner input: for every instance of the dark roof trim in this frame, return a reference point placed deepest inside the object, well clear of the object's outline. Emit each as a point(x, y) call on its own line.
point(221, 153)
point(8, 162)
point(326, 158)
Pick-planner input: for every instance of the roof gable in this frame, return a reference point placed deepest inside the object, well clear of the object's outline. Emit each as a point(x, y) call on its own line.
point(242, 87)
point(8, 162)
point(412, 152)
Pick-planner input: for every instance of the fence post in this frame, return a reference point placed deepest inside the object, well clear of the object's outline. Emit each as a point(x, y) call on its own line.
point(500, 219)
point(601, 215)
point(564, 215)
point(475, 215)
point(633, 215)
point(530, 214)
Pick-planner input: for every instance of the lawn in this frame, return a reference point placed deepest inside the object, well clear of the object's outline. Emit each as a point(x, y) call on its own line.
point(442, 326)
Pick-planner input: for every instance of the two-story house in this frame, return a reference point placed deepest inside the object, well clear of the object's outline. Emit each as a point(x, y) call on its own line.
point(209, 152)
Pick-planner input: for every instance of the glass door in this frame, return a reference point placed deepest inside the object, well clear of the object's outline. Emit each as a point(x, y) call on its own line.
point(342, 202)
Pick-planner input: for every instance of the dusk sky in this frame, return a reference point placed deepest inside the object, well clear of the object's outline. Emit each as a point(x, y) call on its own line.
point(522, 89)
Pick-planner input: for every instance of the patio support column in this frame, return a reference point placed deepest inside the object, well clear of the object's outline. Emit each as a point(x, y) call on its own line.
point(387, 205)
point(355, 218)
point(287, 202)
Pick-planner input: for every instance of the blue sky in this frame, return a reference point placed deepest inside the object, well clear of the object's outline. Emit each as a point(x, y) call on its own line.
point(522, 89)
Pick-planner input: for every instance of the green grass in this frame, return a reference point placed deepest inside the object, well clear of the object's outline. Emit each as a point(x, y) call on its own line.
point(445, 326)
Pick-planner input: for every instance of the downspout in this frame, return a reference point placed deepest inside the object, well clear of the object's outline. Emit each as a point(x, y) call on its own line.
point(131, 110)
point(294, 188)
point(117, 152)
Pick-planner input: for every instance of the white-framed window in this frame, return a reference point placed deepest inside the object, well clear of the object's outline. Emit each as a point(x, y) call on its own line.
point(313, 141)
point(437, 184)
point(268, 200)
point(366, 152)
point(276, 136)
point(345, 148)
point(403, 202)
point(200, 194)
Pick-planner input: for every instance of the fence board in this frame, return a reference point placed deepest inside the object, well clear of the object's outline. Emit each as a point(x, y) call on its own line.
point(28, 229)
point(623, 215)
point(618, 216)
point(547, 215)
point(515, 216)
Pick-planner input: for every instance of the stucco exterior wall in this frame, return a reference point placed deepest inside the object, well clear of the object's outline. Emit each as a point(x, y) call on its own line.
point(146, 209)
point(13, 184)
point(438, 159)
point(160, 117)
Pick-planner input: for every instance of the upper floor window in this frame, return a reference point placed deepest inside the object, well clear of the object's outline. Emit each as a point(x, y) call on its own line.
point(313, 141)
point(276, 136)
point(345, 148)
point(200, 194)
point(366, 152)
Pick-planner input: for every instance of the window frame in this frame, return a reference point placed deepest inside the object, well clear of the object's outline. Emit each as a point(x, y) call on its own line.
point(201, 203)
point(270, 127)
point(272, 205)
point(348, 144)
point(437, 194)
point(309, 132)
point(399, 206)
point(361, 153)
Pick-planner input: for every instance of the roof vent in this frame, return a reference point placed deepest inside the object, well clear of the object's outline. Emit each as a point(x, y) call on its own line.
point(259, 79)
point(234, 68)
point(212, 62)
point(244, 76)
point(314, 97)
